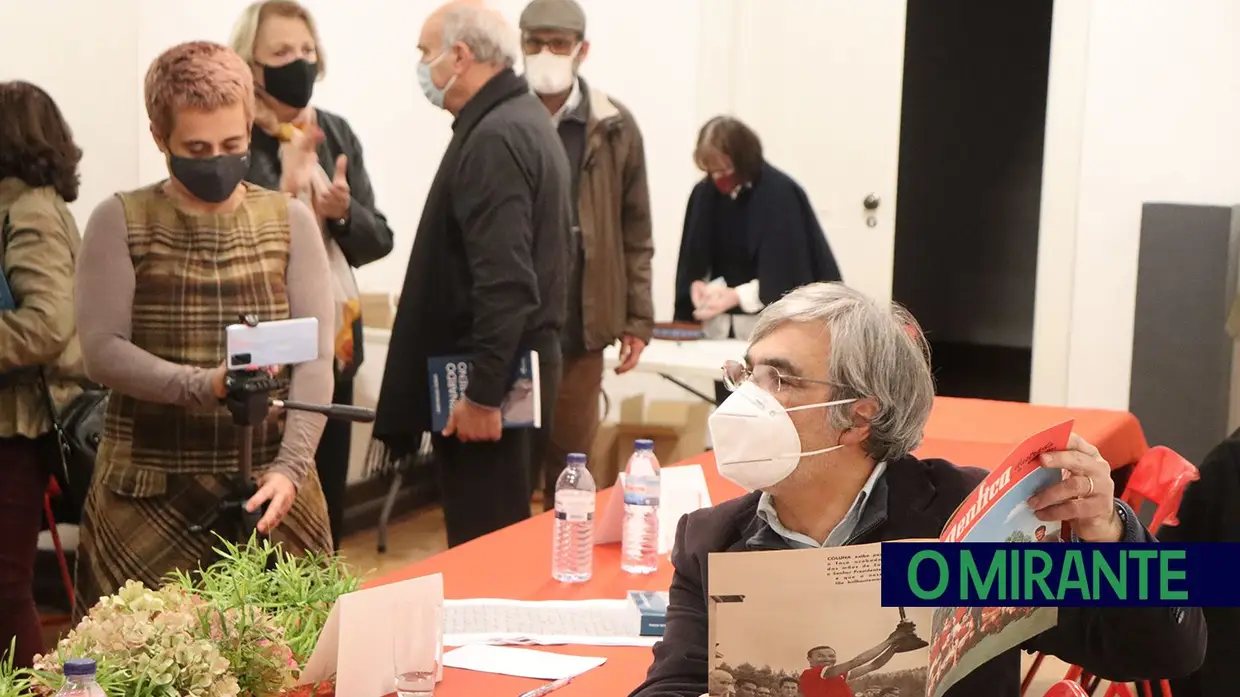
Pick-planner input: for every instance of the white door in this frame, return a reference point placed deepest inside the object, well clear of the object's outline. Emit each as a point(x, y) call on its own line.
point(820, 82)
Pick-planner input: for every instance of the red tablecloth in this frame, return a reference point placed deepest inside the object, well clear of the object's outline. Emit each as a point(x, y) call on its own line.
point(516, 562)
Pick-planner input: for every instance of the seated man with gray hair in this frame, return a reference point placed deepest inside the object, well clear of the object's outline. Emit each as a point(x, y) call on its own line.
point(825, 411)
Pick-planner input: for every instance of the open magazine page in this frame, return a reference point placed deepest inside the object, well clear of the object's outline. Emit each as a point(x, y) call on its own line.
point(813, 618)
point(965, 638)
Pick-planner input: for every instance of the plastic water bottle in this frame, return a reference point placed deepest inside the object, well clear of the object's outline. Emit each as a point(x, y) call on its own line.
point(572, 554)
point(639, 543)
point(80, 679)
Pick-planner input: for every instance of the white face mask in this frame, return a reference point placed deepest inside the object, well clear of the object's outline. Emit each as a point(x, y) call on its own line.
point(756, 444)
point(549, 73)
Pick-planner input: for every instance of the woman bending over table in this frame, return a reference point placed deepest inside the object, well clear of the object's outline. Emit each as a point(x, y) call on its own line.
point(163, 270)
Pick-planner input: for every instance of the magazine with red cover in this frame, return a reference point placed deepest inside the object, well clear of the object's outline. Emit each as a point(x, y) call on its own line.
point(965, 638)
point(814, 618)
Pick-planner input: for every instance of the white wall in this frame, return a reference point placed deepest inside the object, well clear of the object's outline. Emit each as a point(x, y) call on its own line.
point(58, 45)
point(1144, 105)
point(102, 51)
point(1158, 118)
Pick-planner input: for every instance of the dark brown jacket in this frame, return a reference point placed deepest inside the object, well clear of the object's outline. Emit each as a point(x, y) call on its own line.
point(614, 212)
point(40, 246)
point(913, 500)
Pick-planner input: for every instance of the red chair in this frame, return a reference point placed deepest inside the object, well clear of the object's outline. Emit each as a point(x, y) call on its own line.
point(52, 491)
point(1066, 688)
point(1160, 477)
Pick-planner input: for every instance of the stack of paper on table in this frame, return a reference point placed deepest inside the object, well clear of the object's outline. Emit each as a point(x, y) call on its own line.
point(551, 622)
point(522, 663)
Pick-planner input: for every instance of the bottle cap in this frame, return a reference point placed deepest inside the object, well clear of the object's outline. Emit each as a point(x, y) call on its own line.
point(576, 459)
point(79, 666)
point(644, 444)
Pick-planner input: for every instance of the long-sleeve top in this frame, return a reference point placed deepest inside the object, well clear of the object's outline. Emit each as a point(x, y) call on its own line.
point(106, 284)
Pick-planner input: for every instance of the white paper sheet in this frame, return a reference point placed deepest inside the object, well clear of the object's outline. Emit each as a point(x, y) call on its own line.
point(522, 663)
point(552, 622)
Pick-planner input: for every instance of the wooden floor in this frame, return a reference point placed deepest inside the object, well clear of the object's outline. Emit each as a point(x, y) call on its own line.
point(410, 539)
point(421, 535)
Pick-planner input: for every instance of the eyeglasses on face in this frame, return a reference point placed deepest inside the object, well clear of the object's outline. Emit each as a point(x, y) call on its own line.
point(766, 377)
point(559, 45)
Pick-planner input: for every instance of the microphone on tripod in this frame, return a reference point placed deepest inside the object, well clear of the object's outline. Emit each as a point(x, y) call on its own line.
point(342, 412)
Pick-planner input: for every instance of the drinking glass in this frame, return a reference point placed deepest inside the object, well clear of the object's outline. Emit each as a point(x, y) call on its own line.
point(417, 648)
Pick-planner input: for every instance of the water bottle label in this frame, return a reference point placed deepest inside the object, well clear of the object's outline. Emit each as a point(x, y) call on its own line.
point(641, 491)
point(574, 506)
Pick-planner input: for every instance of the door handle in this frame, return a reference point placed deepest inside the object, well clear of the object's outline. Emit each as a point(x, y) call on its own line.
point(871, 202)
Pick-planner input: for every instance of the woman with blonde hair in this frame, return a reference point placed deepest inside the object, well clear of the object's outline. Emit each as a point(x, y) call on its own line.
point(162, 271)
point(313, 154)
point(38, 241)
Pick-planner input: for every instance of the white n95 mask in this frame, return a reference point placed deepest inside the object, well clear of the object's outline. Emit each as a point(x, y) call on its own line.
point(549, 73)
point(756, 444)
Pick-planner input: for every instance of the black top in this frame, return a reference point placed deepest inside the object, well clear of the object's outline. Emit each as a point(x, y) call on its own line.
point(913, 500)
point(730, 253)
point(572, 130)
point(1210, 512)
point(769, 232)
point(486, 276)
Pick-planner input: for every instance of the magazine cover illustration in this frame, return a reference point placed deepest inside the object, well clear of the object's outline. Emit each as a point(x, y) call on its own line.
point(823, 629)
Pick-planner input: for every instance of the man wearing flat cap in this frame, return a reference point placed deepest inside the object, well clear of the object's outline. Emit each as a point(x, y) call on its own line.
point(609, 279)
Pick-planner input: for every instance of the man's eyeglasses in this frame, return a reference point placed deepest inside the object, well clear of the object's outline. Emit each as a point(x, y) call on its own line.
point(766, 377)
point(560, 46)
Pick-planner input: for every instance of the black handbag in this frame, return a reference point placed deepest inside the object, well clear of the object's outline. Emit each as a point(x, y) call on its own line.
point(77, 430)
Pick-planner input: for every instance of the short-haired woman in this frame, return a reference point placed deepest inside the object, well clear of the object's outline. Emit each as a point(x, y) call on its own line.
point(162, 271)
point(750, 235)
point(38, 243)
point(314, 154)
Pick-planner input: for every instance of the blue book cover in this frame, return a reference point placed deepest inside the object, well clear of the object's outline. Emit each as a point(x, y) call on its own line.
point(449, 378)
point(651, 608)
point(7, 302)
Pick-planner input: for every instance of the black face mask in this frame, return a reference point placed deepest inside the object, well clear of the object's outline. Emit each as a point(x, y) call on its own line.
point(210, 179)
point(292, 83)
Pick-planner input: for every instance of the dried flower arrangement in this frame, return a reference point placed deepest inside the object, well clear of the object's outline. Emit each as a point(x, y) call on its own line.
point(242, 627)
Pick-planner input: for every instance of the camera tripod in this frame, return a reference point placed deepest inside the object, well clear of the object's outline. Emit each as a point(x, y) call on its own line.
point(249, 401)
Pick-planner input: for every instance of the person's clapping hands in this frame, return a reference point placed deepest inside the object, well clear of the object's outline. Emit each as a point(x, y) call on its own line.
point(1085, 498)
point(299, 159)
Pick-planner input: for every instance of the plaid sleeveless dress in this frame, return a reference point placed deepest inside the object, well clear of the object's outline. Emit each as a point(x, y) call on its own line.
point(163, 469)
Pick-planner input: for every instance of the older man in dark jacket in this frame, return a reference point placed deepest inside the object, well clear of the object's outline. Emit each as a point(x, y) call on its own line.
point(486, 277)
point(852, 377)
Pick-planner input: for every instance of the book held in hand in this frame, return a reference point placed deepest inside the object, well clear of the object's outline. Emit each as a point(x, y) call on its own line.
point(449, 378)
point(823, 625)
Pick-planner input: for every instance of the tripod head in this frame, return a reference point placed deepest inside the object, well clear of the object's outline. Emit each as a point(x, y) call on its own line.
point(249, 402)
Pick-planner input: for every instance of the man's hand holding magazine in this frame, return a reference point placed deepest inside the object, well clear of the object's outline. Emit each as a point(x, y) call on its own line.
point(1085, 499)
